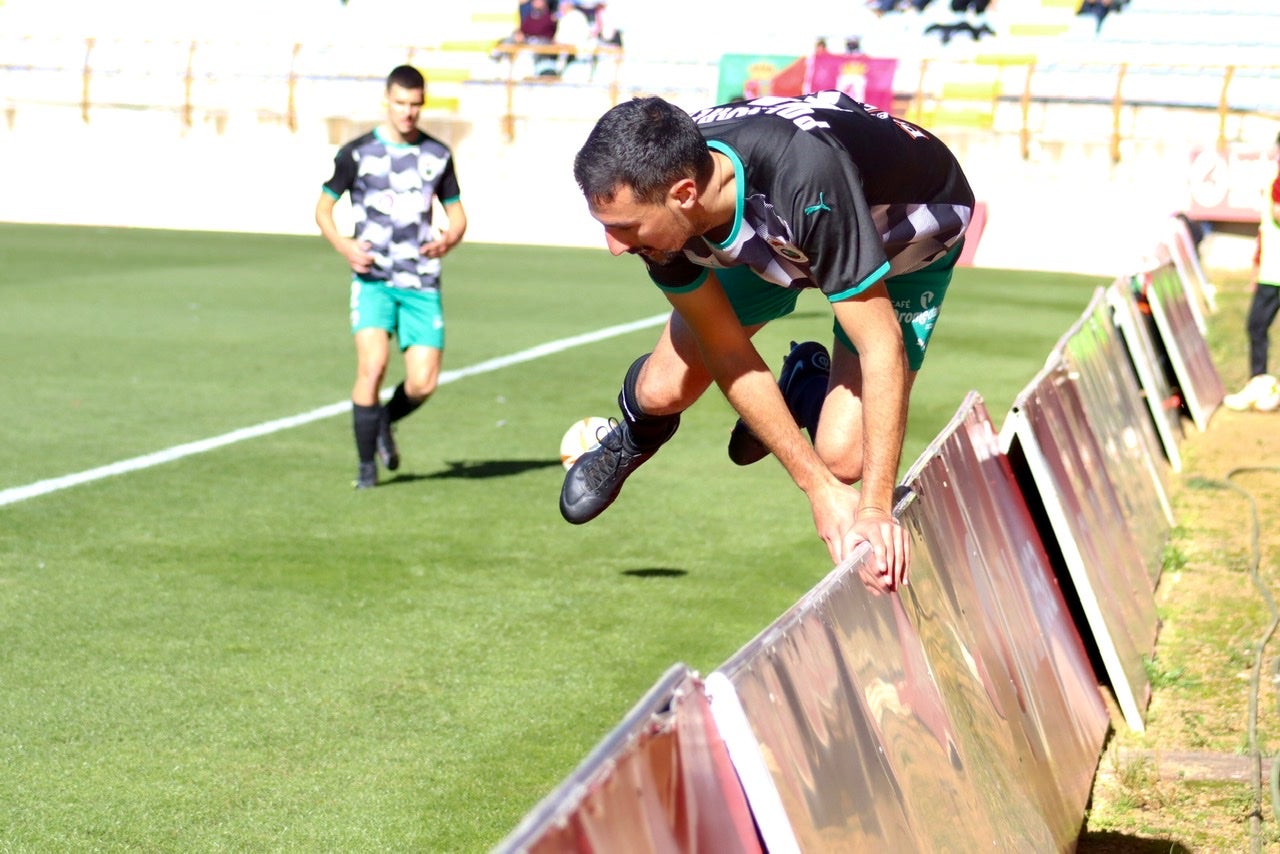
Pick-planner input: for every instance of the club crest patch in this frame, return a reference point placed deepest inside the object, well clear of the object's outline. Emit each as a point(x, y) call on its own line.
point(787, 250)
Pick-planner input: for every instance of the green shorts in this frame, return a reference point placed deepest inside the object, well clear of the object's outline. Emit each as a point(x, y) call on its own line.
point(415, 316)
point(917, 298)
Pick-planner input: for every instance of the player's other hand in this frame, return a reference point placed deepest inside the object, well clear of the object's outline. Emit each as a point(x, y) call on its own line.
point(885, 569)
point(835, 508)
point(357, 255)
point(436, 248)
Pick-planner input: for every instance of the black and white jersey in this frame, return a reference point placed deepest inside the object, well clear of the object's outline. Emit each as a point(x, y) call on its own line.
point(832, 194)
point(392, 186)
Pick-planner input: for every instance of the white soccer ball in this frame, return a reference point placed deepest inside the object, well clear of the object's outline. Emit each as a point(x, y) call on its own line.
point(582, 436)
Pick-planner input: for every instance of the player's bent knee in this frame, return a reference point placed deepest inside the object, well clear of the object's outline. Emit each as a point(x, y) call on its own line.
point(844, 463)
point(421, 389)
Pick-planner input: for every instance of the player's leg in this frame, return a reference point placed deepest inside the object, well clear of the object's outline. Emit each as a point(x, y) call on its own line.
point(420, 331)
point(917, 298)
point(372, 347)
point(1262, 312)
point(839, 437)
point(666, 381)
point(657, 387)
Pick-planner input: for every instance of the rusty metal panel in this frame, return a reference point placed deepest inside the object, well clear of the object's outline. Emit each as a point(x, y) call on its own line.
point(1137, 332)
point(884, 718)
point(1048, 436)
point(662, 781)
point(1188, 353)
point(1099, 367)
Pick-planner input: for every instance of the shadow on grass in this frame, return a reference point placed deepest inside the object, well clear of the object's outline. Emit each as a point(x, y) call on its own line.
point(1110, 842)
point(477, 469)
point(655, 572)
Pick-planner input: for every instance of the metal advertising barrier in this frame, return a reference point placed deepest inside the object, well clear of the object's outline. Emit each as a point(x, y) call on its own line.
point(660, 782)
point(1148, 361)
point(960, 713)
point(973, 516)
point(1186, 259)
point(1193, 368)
point(1047, 435)
point(1095, 357)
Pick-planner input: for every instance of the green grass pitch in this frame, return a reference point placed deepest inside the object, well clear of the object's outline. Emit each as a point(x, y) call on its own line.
point(237, 651)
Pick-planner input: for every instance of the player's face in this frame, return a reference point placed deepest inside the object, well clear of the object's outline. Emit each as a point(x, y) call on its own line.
point(404, 106)
point(656, 231)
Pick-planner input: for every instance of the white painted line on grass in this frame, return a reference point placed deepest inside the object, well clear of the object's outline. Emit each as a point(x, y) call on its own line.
point(43, 487)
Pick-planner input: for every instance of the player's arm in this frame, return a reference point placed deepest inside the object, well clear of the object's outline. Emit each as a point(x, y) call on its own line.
point(451, 236)
point(871, 323)
point(353, 251)
point(751, 389)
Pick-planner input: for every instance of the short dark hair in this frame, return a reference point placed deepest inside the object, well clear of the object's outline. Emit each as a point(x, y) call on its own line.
point(645, 144)
point(406, 77)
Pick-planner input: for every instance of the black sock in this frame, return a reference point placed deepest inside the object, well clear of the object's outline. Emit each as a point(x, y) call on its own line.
point(401, 404)
point(647, 431)
point(366, 421)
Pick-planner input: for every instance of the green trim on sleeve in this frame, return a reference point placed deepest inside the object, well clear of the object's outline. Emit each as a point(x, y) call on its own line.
point(330, 193)
point(684, 289)
point(741, 195)
point(861, 286)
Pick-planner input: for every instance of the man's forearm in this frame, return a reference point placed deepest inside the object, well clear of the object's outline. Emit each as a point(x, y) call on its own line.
point(884, 415)
point(754, 394)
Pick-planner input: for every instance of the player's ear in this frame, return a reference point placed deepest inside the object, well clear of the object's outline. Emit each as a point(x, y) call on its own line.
point(684, 193)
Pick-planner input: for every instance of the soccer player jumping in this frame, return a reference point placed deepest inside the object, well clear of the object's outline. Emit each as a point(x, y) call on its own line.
point(734, 210)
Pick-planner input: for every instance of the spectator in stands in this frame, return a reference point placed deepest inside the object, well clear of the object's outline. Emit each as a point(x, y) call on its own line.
point(1262, 392)
point(574, 29)
point(538, 24)
point(733, 213)
point(393, 174)
point(1099, 9)
point(973, 22)
point(593, 11)
point(604, 26)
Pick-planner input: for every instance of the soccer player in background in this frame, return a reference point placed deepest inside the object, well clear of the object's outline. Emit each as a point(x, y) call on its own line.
point(735, 209)
point(393, 173)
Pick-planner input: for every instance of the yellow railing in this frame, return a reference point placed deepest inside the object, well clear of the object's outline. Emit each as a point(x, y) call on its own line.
point(969, 93)
point(104, 74)
point(999, 94)
point(512, 54)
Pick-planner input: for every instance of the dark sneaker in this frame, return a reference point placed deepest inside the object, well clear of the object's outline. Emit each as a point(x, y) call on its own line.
point(388, 453)
point(594, 481)
point(367, 476)
point(803, 361)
